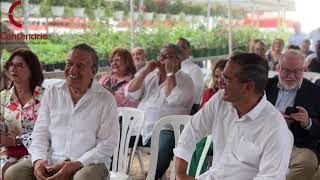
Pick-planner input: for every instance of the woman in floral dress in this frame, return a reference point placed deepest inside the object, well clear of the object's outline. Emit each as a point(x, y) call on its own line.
point(19, 106)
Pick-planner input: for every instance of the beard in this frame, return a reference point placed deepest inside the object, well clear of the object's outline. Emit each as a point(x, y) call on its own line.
point(289, 86)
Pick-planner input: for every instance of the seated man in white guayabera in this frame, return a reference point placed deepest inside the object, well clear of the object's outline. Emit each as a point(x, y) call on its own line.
point(163, 89)
point(251, 138)
point(77, 127)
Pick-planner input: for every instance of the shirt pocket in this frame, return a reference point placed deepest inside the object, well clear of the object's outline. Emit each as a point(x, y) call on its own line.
point(247, 153)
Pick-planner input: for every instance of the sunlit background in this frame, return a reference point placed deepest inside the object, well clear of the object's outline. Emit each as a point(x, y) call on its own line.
point(307, 12)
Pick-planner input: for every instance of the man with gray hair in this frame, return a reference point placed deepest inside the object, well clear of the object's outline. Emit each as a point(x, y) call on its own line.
point(299, 101)
point(139, 56)
point(77, 127)
point(163, 89)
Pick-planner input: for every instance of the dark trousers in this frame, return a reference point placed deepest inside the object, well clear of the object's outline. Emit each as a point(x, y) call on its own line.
point(165, 152)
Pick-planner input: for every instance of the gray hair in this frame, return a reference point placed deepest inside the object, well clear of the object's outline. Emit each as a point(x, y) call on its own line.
point(177, 49)
point(291, 52)
point(138, 48)
point(94, 56)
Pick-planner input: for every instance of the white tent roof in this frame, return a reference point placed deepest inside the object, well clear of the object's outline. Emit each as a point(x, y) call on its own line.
point(259, 5)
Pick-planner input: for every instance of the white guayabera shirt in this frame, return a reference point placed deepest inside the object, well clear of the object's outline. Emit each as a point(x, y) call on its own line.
point(196, 74)
point(85, 132)
point(155, 104)
point(256, 146)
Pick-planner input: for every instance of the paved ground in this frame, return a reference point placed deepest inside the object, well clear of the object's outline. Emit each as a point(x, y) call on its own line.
point(136, 173)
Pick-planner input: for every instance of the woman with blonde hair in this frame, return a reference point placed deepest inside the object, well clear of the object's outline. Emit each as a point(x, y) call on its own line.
point(257, 46)
point(122, 71)
point(274, 55)
point(214, 85)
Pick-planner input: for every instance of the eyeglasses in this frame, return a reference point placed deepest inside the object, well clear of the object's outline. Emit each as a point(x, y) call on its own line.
point(295, 72)
point(164, 56)
point(17, 66)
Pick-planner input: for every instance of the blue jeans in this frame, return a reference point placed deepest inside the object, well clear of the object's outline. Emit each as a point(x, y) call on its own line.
point(165, 151)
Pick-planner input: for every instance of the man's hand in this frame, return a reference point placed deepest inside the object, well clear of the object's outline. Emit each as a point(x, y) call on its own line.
point(40, 169)
point(151, 66)
point(302, 116)
point(288, 119)
point(170, 65)
point(184, 177)
point(181, 169)
point(64, 171)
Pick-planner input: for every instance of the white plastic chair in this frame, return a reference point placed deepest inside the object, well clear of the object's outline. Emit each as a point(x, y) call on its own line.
point(120, 167)
point(139, 151)
point(311, 76)
point(203, 155)
point(272, 74)
point(177, 122)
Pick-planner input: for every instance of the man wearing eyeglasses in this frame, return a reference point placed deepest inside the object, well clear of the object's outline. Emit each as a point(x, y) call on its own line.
point(163, 90)
point(298, 100)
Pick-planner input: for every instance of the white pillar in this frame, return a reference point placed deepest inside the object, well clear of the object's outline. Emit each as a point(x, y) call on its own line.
point(26, 16)
point(132, 23)
point(209, 14)
point(229, 27)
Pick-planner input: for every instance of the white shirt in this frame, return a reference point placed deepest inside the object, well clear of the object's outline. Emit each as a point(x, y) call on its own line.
point(257, 146)
point(155, 104)
point(314, 36)
point(85, 132)
point(297, 39)
point(194, 71)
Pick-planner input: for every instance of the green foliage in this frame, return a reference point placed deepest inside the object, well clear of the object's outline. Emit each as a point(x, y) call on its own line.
point(78, 3)
point(104, 40)
point(34, 1)
point(56, 2)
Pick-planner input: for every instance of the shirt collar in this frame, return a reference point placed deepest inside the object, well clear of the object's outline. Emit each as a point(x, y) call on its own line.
point(36, 97)
point(255, 112)
point(186, 61)
point(95, 86)
point(157, 71)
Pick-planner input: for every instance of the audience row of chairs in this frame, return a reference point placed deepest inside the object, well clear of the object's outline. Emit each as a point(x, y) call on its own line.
point(123, 157)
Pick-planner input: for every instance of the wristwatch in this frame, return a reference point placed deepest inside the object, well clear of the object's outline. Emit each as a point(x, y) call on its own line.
point(170, 74)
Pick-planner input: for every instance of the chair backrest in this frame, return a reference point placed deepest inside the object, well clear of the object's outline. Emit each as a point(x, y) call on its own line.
point(311, 76)
point(203, 155)
point(272, 74)
point(130, 116)
point(177, 122)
